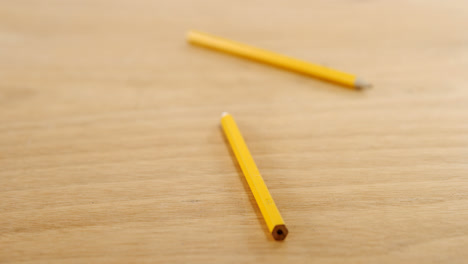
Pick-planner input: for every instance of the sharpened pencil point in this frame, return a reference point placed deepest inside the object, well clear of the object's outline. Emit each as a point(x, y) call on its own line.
point(223, 114)
point(361, 84)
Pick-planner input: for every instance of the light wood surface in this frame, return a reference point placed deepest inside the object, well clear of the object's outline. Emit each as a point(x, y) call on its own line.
point(111, 149)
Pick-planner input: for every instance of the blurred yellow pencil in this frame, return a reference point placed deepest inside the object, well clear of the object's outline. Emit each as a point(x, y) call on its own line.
point(260, 191)
point(246, 51)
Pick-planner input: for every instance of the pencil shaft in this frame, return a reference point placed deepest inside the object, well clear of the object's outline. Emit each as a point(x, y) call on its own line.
point(243, 50)
point(258, 187)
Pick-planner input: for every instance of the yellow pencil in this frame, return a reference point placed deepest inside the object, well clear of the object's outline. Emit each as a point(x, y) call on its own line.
point(246, 51)
point(260, 191)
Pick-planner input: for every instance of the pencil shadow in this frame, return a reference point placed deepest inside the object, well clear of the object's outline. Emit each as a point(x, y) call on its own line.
point(247, 188)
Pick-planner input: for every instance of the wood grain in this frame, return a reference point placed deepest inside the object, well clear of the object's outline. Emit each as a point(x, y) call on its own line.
point(111, 149)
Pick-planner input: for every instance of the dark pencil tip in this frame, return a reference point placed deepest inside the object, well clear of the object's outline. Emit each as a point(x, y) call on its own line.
point(280, 232)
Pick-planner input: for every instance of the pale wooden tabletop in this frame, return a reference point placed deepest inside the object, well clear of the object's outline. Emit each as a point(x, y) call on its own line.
point(111, 149)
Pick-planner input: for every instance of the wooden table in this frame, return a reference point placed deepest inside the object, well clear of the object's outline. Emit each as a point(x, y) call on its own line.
point(111, 149)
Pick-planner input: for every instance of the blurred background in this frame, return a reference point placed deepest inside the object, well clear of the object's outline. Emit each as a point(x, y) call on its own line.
point(111, 150)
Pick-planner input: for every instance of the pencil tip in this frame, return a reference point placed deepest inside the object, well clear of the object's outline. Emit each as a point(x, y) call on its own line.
point(223, 114)
point(361, 84)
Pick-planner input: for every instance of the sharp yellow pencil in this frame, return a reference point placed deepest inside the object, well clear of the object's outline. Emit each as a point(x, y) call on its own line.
point(246, 51)
point(260, 191)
